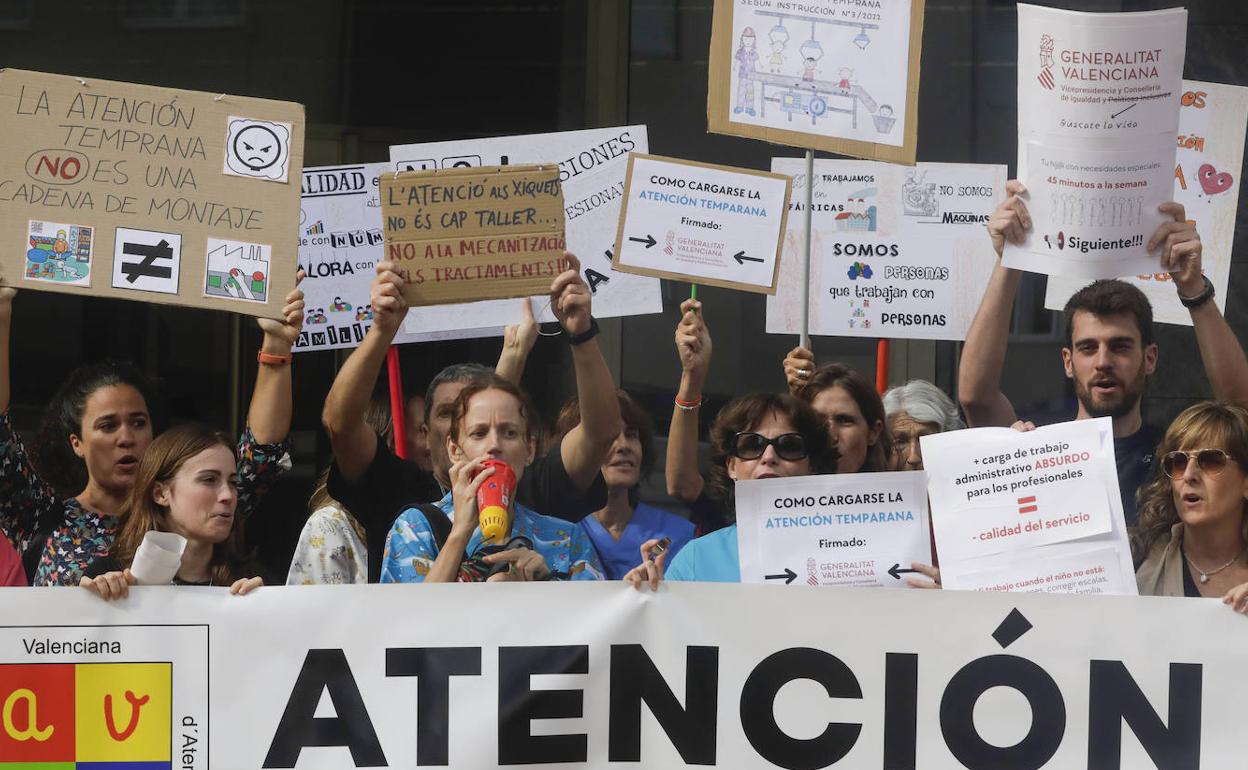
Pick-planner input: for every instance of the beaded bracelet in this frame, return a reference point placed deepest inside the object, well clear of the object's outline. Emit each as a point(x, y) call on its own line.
point(688, 406)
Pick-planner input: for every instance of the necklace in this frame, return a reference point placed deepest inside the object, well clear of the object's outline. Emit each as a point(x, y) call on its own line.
point(1204, 576)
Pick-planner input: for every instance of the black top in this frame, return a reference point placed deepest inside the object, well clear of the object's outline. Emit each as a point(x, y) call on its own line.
point(109, 563)
point(1189, 583)
point(391, 485)
point(1134, 455)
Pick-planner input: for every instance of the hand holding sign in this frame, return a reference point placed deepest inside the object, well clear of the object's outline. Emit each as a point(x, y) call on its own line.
point(570, 298)
point(1181, 249)
point(387, 300)
point(1010, 221)
point(284, 333)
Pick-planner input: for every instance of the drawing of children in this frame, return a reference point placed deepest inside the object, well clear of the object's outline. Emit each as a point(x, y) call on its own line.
point(845, 83)
point(777, 57)
point(747, 66)
point(809, 69)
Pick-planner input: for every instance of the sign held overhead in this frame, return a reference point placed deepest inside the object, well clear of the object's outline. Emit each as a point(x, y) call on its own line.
point(698, 222)
point(482, 233)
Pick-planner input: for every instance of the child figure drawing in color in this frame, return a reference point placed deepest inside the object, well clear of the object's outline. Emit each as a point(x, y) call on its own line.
point(747, 64)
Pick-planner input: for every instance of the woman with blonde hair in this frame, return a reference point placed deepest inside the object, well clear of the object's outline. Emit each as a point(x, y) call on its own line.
point(1192, 535)
point(187, 484)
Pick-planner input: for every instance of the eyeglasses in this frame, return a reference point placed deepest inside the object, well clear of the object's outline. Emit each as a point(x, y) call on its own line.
point(1211, 461)
point(751, 446)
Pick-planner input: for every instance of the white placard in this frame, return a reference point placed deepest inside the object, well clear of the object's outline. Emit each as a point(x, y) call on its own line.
point(1206, 181)
point(598, 675)
point(896, 251)
point(861, 529)
point(703, 223)
point(1098, 109)
point(339, 247)
point(1004, 503)
point(591, 171)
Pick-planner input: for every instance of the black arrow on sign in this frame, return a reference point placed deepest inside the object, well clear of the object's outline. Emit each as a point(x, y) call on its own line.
point(1119, 112)
point(648, 240)
point(742, 259)
point(788, 576)
point(896, 573)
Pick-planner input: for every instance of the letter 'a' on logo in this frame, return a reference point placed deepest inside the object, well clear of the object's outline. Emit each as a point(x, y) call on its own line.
point(36, 714)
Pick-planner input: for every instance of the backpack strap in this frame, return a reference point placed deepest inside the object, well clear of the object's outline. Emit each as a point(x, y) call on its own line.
point(439, 522)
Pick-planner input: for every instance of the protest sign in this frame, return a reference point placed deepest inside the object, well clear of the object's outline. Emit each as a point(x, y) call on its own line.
point(861, 529)
point(591, 171)
point(1210, 154)
point(896, 251)
point(1026, 510)
point(467, 234)
point(1098, 110)
point(697, 222)
point(152, 194)
point(600, 675)
point(340, 244)
point(826, 74)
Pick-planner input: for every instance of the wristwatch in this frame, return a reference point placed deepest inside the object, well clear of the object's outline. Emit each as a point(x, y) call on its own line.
point(585, 336)
point(1204, 296)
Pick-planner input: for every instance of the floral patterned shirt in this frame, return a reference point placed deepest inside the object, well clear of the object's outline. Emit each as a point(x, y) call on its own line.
point(329, 551)
point(411, 548)
point(30, 507)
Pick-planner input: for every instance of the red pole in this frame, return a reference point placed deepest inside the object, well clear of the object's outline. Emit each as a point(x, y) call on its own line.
point(397, 402)
point(881, 366)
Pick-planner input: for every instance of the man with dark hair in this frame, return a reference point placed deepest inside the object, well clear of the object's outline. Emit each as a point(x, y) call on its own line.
point(1109, 351)
point(375, 485)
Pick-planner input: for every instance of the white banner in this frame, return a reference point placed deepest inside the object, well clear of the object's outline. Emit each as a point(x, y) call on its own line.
point(1206, 181)
point(339, 247)
point(1027, 511)
point(859, 529)
point(1098, 109)
point(591, 170)
point(602, 676)
point(897, 252)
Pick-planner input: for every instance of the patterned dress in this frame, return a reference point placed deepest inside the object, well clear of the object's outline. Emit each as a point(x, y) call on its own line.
point(29, 506)
point(329, 551)
point(411, 548)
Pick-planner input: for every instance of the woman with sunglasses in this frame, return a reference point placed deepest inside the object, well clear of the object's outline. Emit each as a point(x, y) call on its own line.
point(758, 436)
point(1192, 535)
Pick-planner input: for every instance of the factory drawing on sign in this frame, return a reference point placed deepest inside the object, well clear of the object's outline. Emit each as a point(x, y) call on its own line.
point(237, 270)
point(802, 81)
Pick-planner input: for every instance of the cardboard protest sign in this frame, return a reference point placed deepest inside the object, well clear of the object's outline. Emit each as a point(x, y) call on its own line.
point(716, 225)
point(154, 194)
point(591, 171)
point(825, 74)
point(861, 529)
point(1210, 153)
point(340, 244)
point(470, 234)
point(896, 251)
point(1033, 511)
point(1098, 110)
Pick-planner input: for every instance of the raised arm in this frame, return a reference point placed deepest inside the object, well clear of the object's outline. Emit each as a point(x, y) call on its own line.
point(983, 354)
point(269, 413)
point(585, 447)
point(1220, 350)
point(518, 341)
point(354, 442)
point(693, 344)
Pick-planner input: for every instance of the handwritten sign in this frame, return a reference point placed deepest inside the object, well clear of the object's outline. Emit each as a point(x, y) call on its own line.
point(699, 222)
point(1209, 154)
point(483, 233)
point(861, 529)
point(153, 194)
point(591, 164)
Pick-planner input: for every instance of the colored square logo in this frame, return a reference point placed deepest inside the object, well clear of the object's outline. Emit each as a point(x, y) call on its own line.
point(124, 712)
point(36, 714)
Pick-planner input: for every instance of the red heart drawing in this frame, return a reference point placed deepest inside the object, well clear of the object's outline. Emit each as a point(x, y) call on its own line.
point(1212, 181)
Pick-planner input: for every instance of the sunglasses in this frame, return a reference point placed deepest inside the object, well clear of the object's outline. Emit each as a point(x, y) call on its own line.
point(1211, 461)
point(751, 446)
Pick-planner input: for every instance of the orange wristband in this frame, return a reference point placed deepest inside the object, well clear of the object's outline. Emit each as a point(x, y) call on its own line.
point(272, 360)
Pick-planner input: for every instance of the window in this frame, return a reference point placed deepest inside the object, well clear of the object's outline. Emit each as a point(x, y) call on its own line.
point(183, 13)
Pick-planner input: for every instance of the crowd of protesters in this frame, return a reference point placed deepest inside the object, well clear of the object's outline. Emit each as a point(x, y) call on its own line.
point(103, 471)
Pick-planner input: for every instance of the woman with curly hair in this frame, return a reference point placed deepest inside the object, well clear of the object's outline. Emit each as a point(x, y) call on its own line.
point(1192, 535)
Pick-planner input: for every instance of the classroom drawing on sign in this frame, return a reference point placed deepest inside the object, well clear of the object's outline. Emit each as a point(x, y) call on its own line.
point(918, 196)
point(813, 76)
point(59, 253)
point(237, 270)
